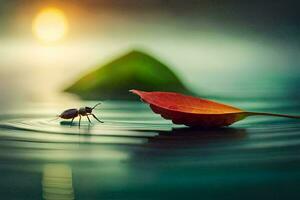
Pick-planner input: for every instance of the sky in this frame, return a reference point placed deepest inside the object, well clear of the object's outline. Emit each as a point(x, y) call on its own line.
point(231, 43)
point(279, 19)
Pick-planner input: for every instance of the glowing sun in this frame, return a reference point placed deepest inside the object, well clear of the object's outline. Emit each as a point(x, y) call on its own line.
point(50, 25)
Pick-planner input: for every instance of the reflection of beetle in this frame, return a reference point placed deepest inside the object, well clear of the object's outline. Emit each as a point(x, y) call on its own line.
point(83, 111)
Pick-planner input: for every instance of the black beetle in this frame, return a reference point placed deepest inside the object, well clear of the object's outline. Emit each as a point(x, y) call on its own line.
point(83, 111)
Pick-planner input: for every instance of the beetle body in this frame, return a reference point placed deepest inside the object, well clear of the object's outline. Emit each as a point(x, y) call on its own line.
point(69, 114)
point(83, 111)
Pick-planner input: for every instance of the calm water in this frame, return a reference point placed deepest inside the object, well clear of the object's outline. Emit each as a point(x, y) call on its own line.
point(137, 155)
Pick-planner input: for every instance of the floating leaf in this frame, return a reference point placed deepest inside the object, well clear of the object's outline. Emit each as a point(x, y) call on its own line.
point(193, 111)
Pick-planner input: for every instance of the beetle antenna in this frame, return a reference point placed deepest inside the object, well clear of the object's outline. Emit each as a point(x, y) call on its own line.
point(96, 105)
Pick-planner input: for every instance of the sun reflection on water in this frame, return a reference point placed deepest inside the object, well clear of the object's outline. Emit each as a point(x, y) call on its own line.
point(57, 182)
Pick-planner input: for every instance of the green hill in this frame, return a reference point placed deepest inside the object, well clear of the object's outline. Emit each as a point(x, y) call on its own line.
point(134, 70)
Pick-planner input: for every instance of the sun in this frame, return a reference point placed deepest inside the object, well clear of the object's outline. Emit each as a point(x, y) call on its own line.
point(50, 25)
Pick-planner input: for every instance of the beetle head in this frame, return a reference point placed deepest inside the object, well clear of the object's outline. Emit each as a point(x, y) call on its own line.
point(88, 109)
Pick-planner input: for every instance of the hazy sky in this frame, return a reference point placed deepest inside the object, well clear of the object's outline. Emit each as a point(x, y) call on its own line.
point(278, 19)
point(232, 43)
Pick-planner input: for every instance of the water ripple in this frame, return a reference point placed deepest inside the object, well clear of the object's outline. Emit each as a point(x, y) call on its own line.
point(137, 129)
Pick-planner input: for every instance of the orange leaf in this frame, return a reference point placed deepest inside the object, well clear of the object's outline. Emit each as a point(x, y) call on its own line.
point(193, 111)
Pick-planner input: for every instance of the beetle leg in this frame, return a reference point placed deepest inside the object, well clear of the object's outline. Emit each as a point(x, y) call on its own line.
point(89, 119)
point(79, 120)
point(72, 121)
point(97, 118)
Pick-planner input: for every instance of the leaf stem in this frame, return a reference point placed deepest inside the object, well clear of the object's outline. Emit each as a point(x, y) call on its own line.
point(273, 114)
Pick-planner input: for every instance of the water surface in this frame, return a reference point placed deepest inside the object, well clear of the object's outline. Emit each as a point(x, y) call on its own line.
point(137, 155)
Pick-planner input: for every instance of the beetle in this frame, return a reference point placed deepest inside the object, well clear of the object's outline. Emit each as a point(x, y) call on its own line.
point(83, 111)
